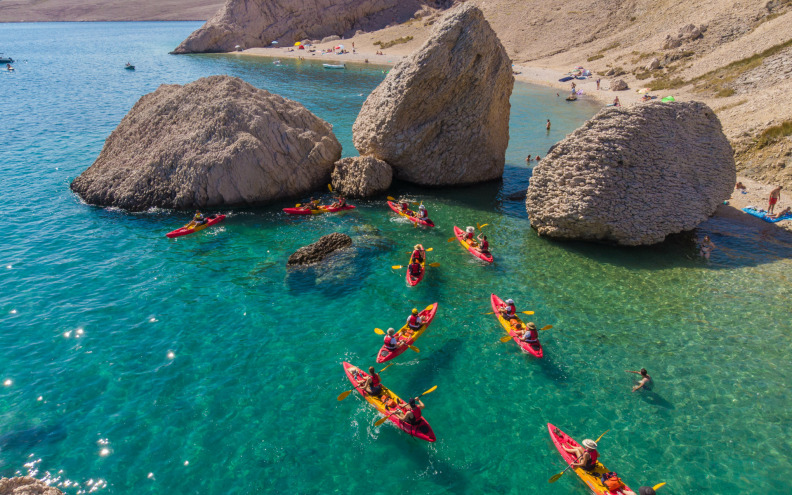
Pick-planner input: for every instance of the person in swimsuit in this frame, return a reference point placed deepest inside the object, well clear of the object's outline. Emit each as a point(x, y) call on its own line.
point(371, 384)
point(339, 203)
point(483, 244)
point(707, 246)
point(585, 456)
point(414, 415)
point(646, 380)
point(775, 196)
point(198, 219)
point(785, 211)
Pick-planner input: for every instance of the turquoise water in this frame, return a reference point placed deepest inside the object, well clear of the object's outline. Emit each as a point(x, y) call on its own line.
point(203, 365)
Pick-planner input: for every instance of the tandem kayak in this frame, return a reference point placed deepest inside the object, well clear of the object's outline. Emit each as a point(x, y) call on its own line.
point(533, 349)
point(460, 235)
point(591, 478)
point(318, 211)
point(413, 281)
point(410, 215)
point(428, 315)
point(420, 430)
point(192, 229)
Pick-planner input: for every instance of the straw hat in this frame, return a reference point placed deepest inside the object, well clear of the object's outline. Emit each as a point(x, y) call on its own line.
point(590, 444)
point(532, 326)
point(391, 331)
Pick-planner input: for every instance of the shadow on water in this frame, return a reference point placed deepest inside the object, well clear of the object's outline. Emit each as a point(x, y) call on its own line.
point(550, 368)
point(423, 375)
point(654, 399)
point(30, 437)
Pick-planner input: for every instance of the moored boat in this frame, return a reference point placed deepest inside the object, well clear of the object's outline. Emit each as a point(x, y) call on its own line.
point(334, 66)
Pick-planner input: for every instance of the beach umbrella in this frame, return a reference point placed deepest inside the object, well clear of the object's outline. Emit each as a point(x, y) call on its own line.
point(274, 43)
point(339, 47)
point(643, 91)
point(299, 43)
point(668, 98)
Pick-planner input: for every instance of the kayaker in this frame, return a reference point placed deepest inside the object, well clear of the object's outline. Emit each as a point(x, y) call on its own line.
point(483, 244)
point(414, 415)
point(423, 214)
point(371, 384)
point(391, 342)
point(198, 219)
point(646, 380)
point(527, 333)
point(405, 208)
point(469, 235)
point(508, 311)
point(311, 204)
point(414, 268)
point(339, 203)
point(586, 456)
point(418, 253)
point(414, 322)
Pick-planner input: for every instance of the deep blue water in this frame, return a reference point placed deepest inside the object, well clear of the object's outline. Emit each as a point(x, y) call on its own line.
point(136, 364)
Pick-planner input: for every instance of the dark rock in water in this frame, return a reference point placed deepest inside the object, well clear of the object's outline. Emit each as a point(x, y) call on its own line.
point(320, 249)
point(26, 485)
point(24, 439)
point(518, 196)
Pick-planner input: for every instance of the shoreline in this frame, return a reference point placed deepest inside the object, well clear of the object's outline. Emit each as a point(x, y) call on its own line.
point(757, 191)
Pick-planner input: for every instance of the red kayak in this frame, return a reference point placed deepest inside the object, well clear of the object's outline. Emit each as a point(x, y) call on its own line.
point(534, 349)
point(591, 478)
point(420, 430)
point(411, 215)
point(460, 235)
point(428, 315)
point(318, 211)
point(188, 229)
point(413, 281)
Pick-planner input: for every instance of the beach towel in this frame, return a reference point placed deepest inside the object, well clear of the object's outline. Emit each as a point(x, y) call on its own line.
point(763, 215)
point(565, 79)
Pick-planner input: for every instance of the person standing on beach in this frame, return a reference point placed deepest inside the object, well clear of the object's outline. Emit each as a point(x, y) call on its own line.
point(646, 380)
point(775, 196)
point(598, 82)
point(548, 125)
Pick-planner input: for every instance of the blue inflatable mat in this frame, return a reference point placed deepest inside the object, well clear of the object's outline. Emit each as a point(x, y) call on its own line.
point(763, 215)
point(565, 79)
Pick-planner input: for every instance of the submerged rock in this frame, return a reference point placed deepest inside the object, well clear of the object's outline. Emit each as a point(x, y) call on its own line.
point(361, 176)
point(26, 485)
point(441, 116)
point(633, 175)
point(256, 23)
point(319, 250)
point(216, 141)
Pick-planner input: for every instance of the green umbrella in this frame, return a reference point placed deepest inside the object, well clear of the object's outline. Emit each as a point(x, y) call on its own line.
point(668, 98)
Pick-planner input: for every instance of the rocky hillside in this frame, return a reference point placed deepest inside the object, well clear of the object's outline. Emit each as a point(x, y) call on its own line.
point(107, 10)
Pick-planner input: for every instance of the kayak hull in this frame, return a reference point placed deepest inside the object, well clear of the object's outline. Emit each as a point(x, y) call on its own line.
point(414, 219)
point(460, 235)
point(532, 349)
point(320, 209)
point(185, 231)
point(428, 315)
point(591, 479)
point(422, 430)
point(413, 281)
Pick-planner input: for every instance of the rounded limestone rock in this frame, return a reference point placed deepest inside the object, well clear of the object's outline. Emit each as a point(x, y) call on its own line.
point(361, 176)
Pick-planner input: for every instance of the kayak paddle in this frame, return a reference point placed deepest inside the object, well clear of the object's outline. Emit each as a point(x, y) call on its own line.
point(558, 476)
point(399, 267)
point(482, 226)
point(523, 312)
point(427, 249)
point(382, 420)
point(344, 395)
point(330, 187)
point(658, 485)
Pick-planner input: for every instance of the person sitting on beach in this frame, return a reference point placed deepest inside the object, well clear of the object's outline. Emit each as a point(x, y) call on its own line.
point(339, 203)
point(391, 342)
point(739, 185)
point(586, 456)
point(616, 102)
point(509, 310)
point(483, 244)
point(707, 246)
point(423, 214)
point(646, 380)
point(776, 216)
point(414, 415)
point(414, 322)
point(371, 384)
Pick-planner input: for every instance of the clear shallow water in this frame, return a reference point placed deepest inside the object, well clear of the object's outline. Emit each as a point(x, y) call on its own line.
point(92, 302)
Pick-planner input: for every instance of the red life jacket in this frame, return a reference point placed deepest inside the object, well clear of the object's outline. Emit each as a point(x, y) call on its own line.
point(413, 321)
point(594, 455)
point(469, 236)
point(484, 245)
point(511, 309)
point(418, 255)
point(531, 335)
point(415, 269)
point(375, 380)
point(388, 344)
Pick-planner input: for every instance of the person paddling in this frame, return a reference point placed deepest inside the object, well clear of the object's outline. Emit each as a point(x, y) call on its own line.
point(414, 322)
point(371, 384)
point(527, 333)
point(414, 268)
point(483, 244)
point(311, 204)
point(423, 214)
point(646, 380)
point(418, 253)
point(414, 415)
point(405, 208)
point(470, 233)
point(508, 311)
point(339, 203)
point(391, 342)
point(586, 456)
point(198, 219)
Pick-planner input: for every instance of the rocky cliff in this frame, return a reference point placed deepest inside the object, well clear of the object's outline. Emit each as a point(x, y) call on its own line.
point(633, 175)
point(256, 23)
point(441, 116)
point(25, 485)
point(216, 141)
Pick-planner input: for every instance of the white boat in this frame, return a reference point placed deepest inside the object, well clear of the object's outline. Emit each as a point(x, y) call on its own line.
point(333, 66)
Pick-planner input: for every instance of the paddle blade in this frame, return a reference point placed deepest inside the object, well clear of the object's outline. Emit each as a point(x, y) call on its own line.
point(600, 437)
point(548, 327)
point(527, 312)
point(555, 478)
point(413, 348)
point(658, 485)
point(435, 264)
point(379, 331)
point(386, 367)
point(397, 267)
point(330, 187)
point(490, 313)
point(482, 226)
point(381, 420)
point(506, 338)
point(429, 249)
point(344, 395)
point(429, 307)
point(451, 239)
point(391, 198)
point(429, 391)
point(298, 205)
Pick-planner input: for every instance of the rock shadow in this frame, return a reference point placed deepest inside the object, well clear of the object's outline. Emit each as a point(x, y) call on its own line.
point(30, 437)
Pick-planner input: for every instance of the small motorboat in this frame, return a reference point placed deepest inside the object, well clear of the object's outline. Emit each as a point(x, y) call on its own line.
point(6, 60)
point(129, 66)
point(334, 66)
